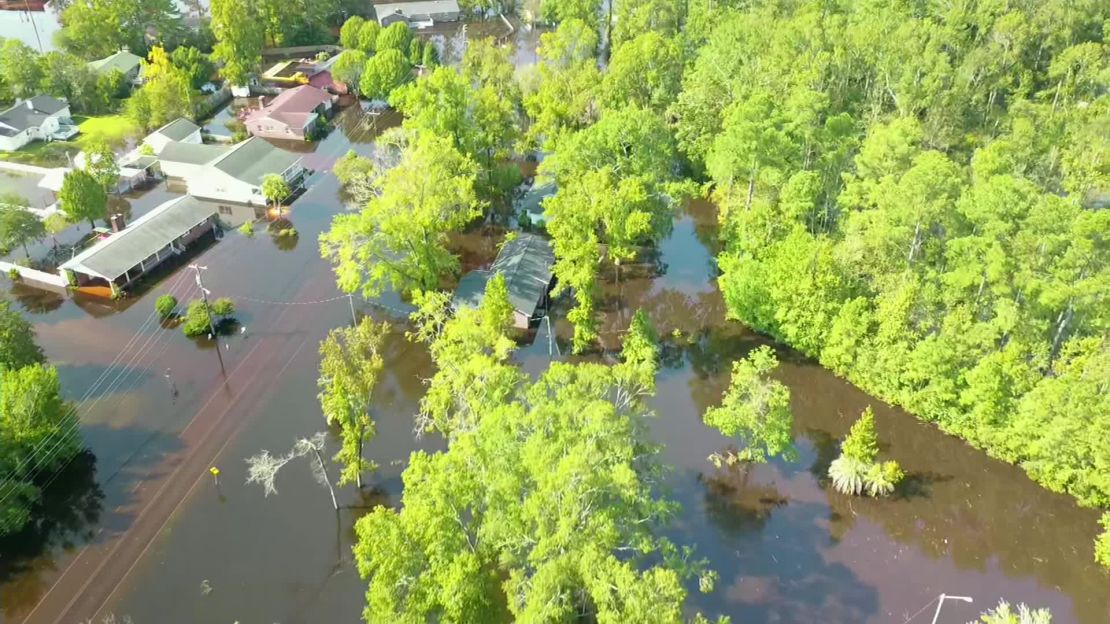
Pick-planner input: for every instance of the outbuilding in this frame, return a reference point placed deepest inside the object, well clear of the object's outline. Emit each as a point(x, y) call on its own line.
point(418, 13)
point(525, 262)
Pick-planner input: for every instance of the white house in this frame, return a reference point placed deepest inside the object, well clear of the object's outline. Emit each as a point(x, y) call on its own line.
point(180, 130)
point(418, 13)
point(231, 174)
point(41, 118)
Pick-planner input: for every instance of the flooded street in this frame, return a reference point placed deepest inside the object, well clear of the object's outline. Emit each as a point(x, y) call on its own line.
point(140, 528)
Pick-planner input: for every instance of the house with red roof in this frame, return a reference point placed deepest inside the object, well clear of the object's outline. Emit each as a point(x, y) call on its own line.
point(293, 114)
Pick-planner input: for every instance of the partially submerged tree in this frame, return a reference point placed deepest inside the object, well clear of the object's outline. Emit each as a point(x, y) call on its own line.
point(543, 508)
point(755, 409)
point(855, 471)
point(263, 468)
point(385, 71)
point(399, 239)
point(275, 189)
point(100, 162)
point(17, 340)
point(18, 226)
point(82, 197)
point(1005, 614)
point(350, 365)
point(239, 32)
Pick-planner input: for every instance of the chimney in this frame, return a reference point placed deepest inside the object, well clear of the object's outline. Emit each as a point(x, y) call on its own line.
point(117, 222)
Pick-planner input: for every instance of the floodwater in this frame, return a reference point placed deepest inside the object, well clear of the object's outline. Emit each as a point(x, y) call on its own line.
point(140, 528)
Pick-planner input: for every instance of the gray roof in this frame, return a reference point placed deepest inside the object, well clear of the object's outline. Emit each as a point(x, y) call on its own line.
point(533, 199)
point(29, 113)
point(113, 256)
point(417, 8)
point(191, 153)
point(123, 61)
point(177, 130)
point(254, 159)
point(525, 262)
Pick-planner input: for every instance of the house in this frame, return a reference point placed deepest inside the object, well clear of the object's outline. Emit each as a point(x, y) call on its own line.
point(418, 14)
point(525, 262)
point(305, 72)
point(126, 63)
point(531, 202)
point(291, 115)
point(131, 251)
point(180, 130)
point(41, 118)
point(232, 174)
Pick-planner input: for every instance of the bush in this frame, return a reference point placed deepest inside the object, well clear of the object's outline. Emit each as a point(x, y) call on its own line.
point(223, 307)
point(165, 306)
point(196, 320)
point(14, 274)
point(848, 474)
point(882, 478)
point(856, 470)
point(290, 232)
point(247, 229)
point(1102, 543)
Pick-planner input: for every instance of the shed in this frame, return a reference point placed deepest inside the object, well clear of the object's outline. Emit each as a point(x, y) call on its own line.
point(124, 256)
point(418, 13)
point(525, 262)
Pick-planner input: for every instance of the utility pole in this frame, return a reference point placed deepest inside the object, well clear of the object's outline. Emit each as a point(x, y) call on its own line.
point(350, 300)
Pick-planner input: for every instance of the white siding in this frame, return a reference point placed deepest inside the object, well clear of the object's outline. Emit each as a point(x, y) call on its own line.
point(12, 143)
point(211, 183)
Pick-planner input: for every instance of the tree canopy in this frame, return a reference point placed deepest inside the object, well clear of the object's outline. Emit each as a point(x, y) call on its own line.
point(755, 409)
point(239, 32)
point(166, 93)
point(82, 197)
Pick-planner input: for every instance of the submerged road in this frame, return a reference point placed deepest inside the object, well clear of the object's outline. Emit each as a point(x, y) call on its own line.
point(278, 335)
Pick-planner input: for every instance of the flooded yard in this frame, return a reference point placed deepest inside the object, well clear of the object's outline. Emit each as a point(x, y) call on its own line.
point(139, 527)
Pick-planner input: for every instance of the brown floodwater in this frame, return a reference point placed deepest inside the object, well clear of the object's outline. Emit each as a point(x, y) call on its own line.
point(788, 549)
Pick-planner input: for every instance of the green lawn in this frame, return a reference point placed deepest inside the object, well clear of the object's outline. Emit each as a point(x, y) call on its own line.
point(42, 154)
point(114, 130)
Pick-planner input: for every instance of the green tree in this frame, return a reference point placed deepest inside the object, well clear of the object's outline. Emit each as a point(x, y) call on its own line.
point(348, 68)
point(399, 239)
point(562, 11)
point(194, 63)
point(67, 76)
point(385, 71)
point(100, 163)
point(165, 306)
point(755, 409)
point(197, 320)
point(1102, 542)
point(82, 197)
point(18, 348)
point(352, 169)
point(396, 36)
point(368, 35)
point(349, 32)
point(350, 365)
point(96, 29)
point(165, 95)
point(431, 55)
point(19, 225)
point(239, 32)
point(223, 307)
point(645, 71)
point(856, 470)
point(485, 64)
point(862, 442)
point(275, 189)
point(33, 416)
point(562, 96)
point(543, 509)
point(20, 66)
point(1004, 614)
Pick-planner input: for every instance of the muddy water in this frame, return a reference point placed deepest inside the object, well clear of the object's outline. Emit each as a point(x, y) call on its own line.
point(787, 549)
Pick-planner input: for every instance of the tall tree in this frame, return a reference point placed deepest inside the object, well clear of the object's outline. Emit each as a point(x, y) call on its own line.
point(194, 63)
point(399, 239)
point(165, 94)
point(755, 409)
point(348, 69)
point(93, 29)
point(19, 64)
point(239, 32)
point(350, 364)
point(18, 226)
point(543, 510)
point(17, 340)
point(82, 197)
point(100, 162)
point(385, 71)
point(645, 71)
point(349, 32)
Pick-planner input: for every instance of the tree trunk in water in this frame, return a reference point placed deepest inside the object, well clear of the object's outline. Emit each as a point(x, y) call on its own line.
point(327, 481)
point(92, 224)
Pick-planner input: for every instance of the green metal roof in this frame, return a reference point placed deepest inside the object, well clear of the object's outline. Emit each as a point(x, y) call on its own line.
point(525, 262)
point(113, 256)
point(191, 153)
point(121, 61)
point(254, 159)
point(178, 130)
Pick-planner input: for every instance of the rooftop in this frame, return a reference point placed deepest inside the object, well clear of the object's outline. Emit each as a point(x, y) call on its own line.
point(178, 129)
point(29, 114)
point(254, 159)
point(191, 153)
point(532, 201)
point(525, 262)
point(293, 106)
point(417, 7)
point(122, 61)
point(113, 256)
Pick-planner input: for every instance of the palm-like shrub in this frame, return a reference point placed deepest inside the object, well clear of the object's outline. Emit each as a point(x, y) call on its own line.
point(1004, 614)
point(882, 478)
point(848, 475)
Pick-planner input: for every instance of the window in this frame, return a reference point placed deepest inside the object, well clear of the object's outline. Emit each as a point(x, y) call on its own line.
point(225, 210)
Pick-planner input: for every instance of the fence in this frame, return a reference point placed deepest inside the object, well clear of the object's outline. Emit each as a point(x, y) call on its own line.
point(34, 275)
point(301, 51)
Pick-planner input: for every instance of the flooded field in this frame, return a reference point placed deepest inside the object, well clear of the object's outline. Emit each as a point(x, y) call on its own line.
point(139, 527)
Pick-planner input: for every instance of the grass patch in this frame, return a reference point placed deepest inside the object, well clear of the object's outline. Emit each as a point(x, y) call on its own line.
point(114, 130)
point(42, 154)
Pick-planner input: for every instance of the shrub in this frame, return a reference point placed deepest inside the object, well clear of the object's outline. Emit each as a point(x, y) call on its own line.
point(13, 274)
point(862, 442)
point(290, 232)
point(848, 475)
point(223, 307)
point(1003, 614)
point(1102, 542)
point(247, 229)
point(882, 478)
point(165, 306)
point(196, 321)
